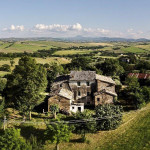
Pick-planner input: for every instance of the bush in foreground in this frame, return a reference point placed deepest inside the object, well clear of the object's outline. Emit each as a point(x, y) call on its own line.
point(110, 116)
point(11, 140)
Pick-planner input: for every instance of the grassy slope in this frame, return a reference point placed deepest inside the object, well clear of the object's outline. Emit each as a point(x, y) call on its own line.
point(133, 134)
point(146, 47)
point(133, 49)
point(23, 46)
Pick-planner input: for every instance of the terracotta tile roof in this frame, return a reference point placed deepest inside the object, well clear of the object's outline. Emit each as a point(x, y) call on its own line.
point(105, 79)
point(139, 75)
point(82, 75)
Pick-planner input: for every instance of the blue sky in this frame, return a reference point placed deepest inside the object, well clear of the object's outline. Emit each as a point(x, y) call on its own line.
point(65, 18)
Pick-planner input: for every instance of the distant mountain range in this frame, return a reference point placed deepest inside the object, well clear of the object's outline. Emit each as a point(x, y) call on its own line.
point(78, 39)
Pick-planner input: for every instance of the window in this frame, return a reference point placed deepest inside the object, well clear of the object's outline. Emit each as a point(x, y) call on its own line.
point(79, 93)
point(88, 83)
point(88, 93)
point(98, 99)
point(88, 103)
point(60, 85)
point(78, 83)
point(72, 107)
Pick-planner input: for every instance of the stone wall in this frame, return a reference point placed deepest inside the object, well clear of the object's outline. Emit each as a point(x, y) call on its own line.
point(64, 104)
point(83, 93)
point(103, 99)
point(104, 85)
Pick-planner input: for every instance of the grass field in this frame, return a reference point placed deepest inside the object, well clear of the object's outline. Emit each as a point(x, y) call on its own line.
point(72, 52)
point(39, 60)
point(146, 47)
point(27, 46)
point(32, 46)
point(133, 49)
point(133, 134)
point(3, 73)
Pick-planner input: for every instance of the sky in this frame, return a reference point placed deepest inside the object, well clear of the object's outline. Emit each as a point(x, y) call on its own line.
point(69, 18)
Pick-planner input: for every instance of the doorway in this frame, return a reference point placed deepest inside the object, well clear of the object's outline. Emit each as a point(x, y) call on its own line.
point(79, 109)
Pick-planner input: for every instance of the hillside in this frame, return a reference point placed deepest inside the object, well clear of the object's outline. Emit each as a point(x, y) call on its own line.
point(133, 134)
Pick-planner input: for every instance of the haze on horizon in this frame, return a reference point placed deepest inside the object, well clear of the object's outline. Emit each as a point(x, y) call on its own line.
point(69, 18)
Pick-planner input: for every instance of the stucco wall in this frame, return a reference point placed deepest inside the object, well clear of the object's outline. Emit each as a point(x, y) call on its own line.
point(74, 108)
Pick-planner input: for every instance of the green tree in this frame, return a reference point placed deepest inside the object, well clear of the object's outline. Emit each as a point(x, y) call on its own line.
point(2, 104)
point(110, 116)
point(54, 109)
point(5, 67)
point(53, 71)
point(12, 62)
point(146, 93)
point(85, 127)
point(11, 140)
point(111, 67)
point(26, 84)
point(58, 133)
point(3, 82)
point(80, 62)
point(133, 92)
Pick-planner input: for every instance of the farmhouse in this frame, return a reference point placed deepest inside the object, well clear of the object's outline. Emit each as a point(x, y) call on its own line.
point(139, 75)
point(81, 88)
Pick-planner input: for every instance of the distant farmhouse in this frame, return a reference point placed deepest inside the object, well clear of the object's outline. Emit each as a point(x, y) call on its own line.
point(81, 88)
point(139, 75)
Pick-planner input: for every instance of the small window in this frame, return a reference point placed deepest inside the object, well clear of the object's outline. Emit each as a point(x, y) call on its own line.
point(78, 83)
point(88, 83)
point(88, 93)
point(98, 99)
point(79, 93)
point(72, 107)
point(60, 85)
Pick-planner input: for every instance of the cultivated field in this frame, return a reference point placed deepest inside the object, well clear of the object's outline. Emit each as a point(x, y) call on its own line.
point(72, 52)
point(32, 46)
point(39, 60)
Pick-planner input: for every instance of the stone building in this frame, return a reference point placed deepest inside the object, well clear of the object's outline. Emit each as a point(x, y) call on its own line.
point(81, 88)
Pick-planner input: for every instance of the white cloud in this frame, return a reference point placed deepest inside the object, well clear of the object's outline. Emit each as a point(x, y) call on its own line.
point(77, 26)
point(14, 28)
point(58, 27)
point(61, 30)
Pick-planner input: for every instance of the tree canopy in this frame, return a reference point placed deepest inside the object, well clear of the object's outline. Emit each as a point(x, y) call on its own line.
point(111, 67)
point(11, 140)
point(111, 116)
point(26, 84)
point(58, 133)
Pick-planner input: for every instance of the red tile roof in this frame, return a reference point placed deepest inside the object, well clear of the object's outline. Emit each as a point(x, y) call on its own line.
point(139, 75)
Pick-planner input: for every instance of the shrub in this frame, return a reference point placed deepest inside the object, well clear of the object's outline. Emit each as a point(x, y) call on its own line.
point(109, 115)
point(11, 140)
point(5, 67)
